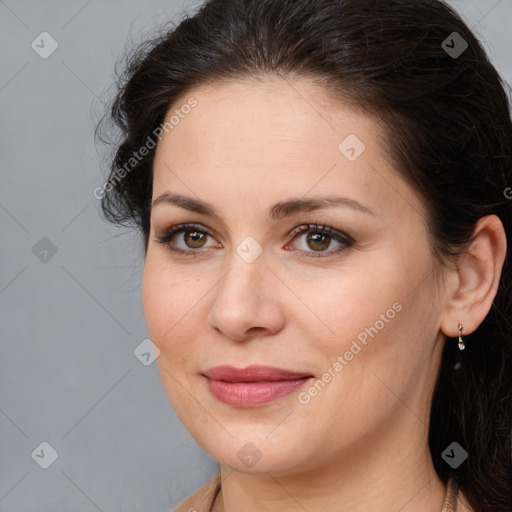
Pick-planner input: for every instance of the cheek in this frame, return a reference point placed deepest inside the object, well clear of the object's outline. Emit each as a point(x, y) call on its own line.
point(168, 305)
point(374, 317)
point(348, 304)
point(153, 300)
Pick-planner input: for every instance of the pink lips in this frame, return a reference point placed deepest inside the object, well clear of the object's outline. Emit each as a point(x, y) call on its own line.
point(252, 386)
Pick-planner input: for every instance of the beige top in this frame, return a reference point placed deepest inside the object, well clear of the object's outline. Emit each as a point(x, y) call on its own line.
point(202, 500)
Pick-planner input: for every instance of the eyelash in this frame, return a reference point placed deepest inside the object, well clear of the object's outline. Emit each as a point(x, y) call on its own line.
point(304, 228)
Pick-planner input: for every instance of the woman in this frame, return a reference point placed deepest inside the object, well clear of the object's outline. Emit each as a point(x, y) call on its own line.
point(323, 188)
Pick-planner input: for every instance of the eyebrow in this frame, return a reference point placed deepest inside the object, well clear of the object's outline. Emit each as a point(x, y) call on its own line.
point(277, 211)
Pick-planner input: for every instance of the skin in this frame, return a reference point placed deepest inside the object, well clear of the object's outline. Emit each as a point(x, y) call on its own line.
point(361, 443)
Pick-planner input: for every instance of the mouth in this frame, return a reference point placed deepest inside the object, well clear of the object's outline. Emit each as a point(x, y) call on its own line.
point(252, 386)
point(254, 373)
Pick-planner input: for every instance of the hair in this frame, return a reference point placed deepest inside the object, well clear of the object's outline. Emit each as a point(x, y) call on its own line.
point(448, 132)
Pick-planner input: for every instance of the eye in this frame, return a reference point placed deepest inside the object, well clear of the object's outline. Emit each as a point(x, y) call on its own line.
point(195, 237)
point(318, 238)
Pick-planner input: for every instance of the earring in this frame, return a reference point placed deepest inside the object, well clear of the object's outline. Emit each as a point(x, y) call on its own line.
point(461, 343)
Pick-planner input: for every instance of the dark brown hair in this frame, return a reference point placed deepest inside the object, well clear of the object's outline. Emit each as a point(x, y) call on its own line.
point(448, 132)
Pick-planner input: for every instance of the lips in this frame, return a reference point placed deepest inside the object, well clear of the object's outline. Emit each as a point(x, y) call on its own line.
point(255, 373)
point(253, 386)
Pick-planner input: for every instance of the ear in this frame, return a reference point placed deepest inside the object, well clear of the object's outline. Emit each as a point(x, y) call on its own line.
point(477, 278)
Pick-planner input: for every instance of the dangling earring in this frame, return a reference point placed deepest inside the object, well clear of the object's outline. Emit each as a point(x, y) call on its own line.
point(461, 343)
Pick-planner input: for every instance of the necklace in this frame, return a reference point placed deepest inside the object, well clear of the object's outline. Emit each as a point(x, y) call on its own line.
point(450, 500)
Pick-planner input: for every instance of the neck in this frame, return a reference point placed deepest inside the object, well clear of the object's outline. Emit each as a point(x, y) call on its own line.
point(383, 473)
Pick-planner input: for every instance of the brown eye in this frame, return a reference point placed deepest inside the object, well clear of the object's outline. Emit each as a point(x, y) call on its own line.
point(185, 239)
point(318, 241)
point(319, 238)
point(194, 239)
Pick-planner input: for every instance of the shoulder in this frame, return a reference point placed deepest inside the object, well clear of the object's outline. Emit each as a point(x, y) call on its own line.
point(202, 500)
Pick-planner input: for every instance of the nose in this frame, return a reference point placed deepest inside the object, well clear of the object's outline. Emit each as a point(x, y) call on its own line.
point(248, 301)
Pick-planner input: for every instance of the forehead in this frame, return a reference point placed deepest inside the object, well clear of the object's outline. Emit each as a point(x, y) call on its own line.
point(260, 140)
point(260, 115)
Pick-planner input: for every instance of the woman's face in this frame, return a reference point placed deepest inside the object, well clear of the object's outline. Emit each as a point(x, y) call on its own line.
point(357, 309)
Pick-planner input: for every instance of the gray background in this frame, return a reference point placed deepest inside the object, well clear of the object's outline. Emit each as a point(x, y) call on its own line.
point(69, 325)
